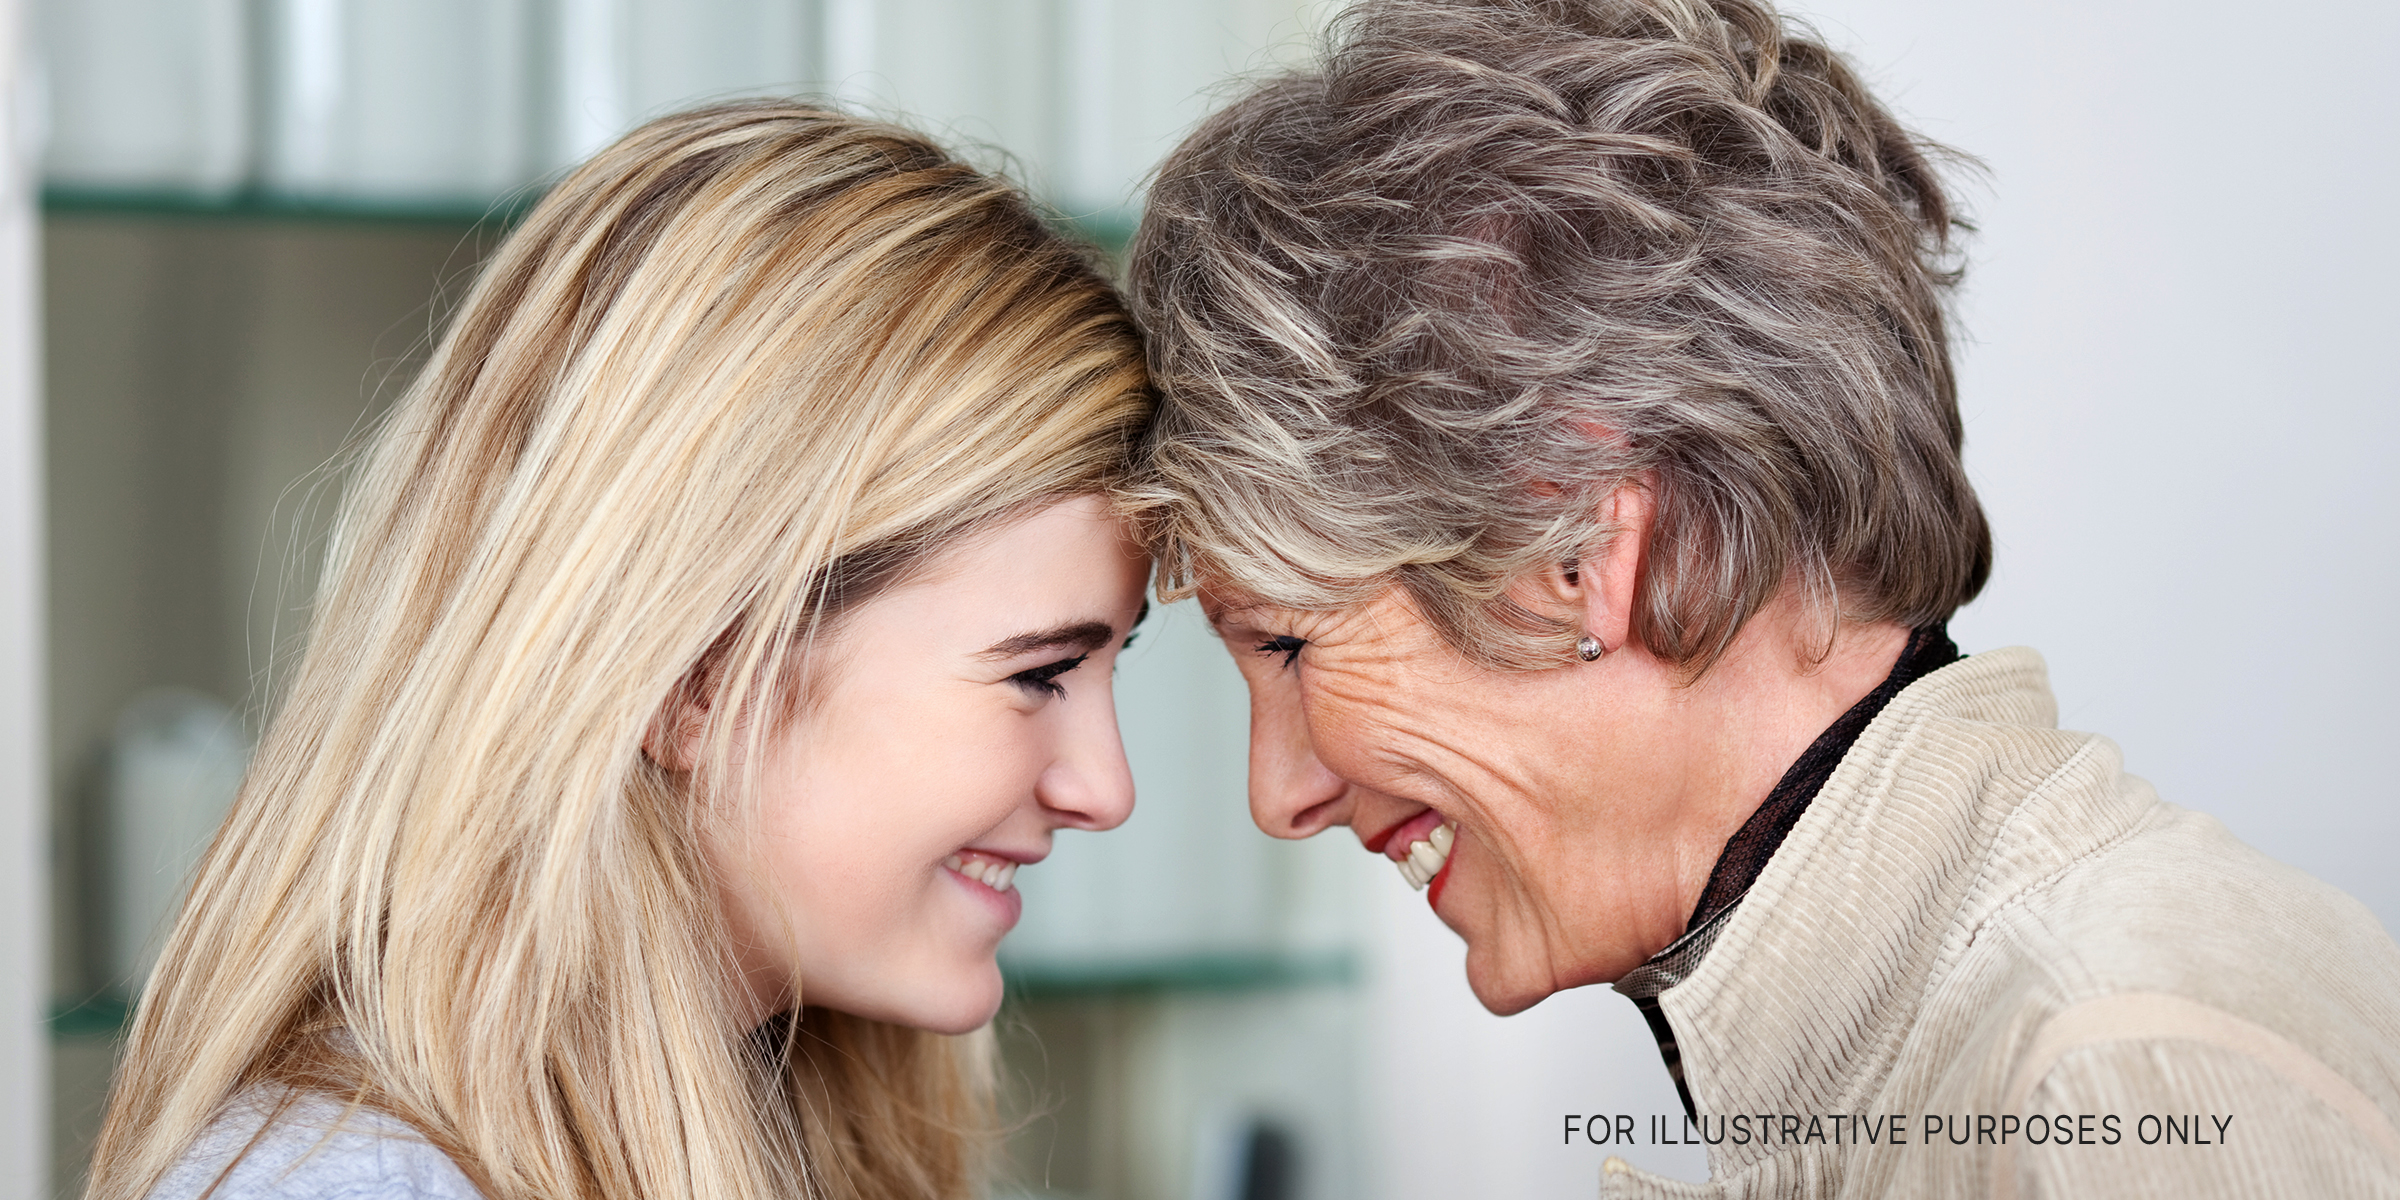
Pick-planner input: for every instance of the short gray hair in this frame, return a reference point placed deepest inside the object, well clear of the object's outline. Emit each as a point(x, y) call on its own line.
point(1417, 312)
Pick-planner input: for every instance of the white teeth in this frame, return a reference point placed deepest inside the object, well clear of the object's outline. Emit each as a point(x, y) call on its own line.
point(1425, 858)
point(998, 876)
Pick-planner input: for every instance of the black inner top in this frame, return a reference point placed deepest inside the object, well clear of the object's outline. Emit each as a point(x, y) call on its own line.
point(1747, 851)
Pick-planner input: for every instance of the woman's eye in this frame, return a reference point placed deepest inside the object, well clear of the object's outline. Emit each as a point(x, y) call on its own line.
point(1283, 644)
point(1044, 679)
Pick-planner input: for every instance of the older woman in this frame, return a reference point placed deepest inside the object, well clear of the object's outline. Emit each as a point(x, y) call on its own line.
point(1560, 431)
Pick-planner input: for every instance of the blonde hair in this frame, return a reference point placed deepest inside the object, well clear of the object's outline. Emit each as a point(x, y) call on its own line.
point(735, 374)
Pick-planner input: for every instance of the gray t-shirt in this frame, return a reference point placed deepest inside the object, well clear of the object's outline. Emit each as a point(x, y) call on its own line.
point(317, 1149)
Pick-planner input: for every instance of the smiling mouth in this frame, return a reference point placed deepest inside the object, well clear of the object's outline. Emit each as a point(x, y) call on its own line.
point(998, 874)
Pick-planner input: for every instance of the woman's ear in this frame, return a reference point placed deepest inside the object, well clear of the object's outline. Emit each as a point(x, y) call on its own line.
point(677, 730)
point(1596, 590)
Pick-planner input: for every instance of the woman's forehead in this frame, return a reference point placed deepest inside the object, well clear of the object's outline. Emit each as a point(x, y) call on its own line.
point(1229, 606)
point(1386, 613)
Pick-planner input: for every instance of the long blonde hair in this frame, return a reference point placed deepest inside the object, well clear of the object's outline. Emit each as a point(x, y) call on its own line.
point(739, 371)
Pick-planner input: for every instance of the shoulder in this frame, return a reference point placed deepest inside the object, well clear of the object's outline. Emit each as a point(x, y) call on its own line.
point(2074, 880)
point(314, 1148)
point(2221, 1019)
point(2207, 1020)
point(2193, 1100)
point(2173, 931)
point(2176, 905)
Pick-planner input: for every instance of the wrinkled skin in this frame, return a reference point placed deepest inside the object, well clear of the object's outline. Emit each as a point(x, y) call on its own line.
point(1591, 800)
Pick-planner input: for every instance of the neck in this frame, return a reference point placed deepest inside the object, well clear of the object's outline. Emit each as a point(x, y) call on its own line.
point(1717, 746)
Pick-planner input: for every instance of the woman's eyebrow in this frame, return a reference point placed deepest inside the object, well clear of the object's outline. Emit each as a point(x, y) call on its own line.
point(1082, 635)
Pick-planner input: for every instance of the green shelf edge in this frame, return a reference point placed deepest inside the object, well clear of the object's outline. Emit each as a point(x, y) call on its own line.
point(1231, 972)
point(103, 1015)
point(1111, 232)
point(108, 1013)
point(275, 206)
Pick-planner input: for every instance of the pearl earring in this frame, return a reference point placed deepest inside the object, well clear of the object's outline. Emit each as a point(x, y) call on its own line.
point(1589, 649)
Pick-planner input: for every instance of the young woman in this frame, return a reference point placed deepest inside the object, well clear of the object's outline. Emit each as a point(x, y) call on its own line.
point(712, 632)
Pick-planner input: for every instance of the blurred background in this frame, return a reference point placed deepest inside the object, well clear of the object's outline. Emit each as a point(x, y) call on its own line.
point(230, 228)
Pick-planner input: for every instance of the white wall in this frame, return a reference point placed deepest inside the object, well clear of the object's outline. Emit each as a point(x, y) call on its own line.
point(24, 782)
point(2181, 417)
point(2179, 404)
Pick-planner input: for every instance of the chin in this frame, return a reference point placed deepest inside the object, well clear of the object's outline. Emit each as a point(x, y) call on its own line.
point(967, 1006)
point(961, 1021)
point(947, 1003)
point(1500, 995)
point(948, 1029)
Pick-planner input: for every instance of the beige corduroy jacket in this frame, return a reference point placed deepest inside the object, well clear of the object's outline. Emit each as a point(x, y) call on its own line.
point(1984, 919)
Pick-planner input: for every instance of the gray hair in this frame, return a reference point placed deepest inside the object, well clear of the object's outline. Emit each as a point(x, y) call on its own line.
point(1417, 313)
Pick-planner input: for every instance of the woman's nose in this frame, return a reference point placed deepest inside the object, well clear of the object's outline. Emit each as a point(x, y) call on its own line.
point(1292, 794)
point(1090, 785)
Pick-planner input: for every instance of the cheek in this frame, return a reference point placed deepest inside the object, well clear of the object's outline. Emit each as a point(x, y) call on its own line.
point(828, 834)
point(969, 773)
point(1368, 739)
point(882, 814)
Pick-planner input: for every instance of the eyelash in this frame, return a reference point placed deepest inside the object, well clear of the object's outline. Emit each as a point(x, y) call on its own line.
point(1043, 679)
point(1285, 645)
